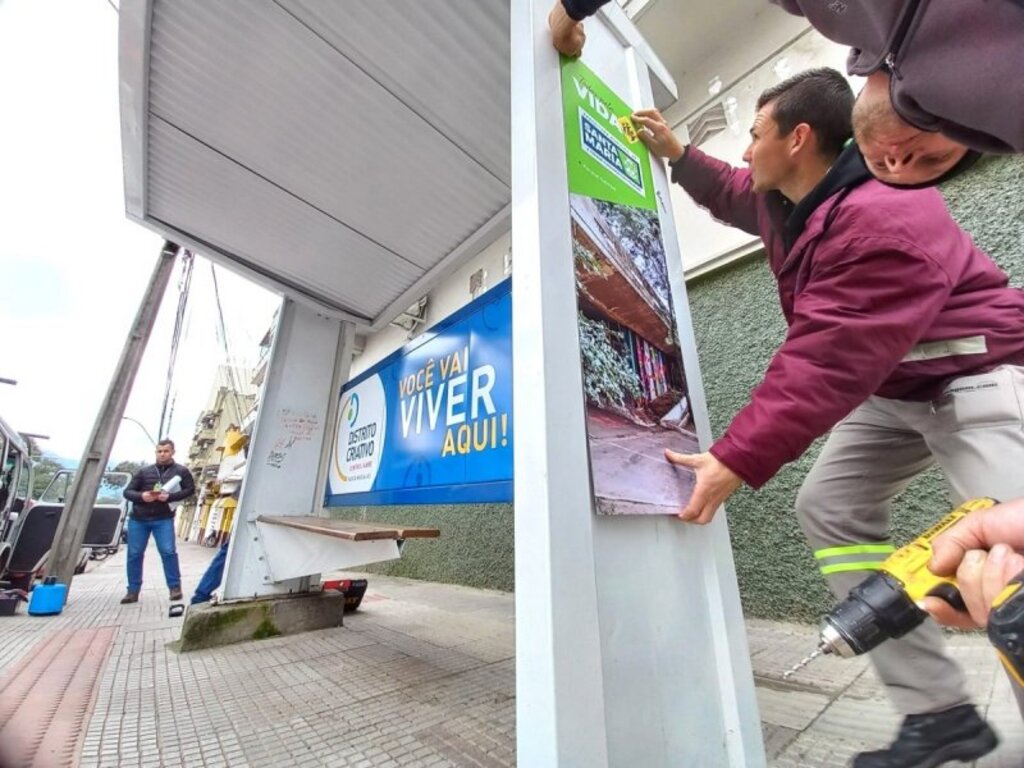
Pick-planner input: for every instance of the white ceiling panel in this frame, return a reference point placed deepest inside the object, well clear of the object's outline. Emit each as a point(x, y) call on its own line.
point(252, 81)
point(353, 152)
point(452, 69)
point(240, 213)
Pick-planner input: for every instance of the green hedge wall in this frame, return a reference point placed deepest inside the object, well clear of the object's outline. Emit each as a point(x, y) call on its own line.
point(738, 325)
point(475, 548)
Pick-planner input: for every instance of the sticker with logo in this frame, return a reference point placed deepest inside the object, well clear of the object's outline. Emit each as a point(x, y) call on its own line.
point(362, 425)
point(605, 158)
point(607, 150)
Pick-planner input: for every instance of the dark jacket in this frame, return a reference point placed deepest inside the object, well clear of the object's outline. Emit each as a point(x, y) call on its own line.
point(872, 276)
point(580, 9)
point(957, 65)
point(151, 477)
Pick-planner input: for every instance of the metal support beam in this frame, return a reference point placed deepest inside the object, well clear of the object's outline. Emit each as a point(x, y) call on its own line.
point(560, 692)
point(289, 451)
point(292, 553)
point(71, 530)
point(630, 646)
point(342, 366)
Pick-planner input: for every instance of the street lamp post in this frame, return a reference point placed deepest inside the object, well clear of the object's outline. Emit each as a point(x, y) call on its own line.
point(136, 421)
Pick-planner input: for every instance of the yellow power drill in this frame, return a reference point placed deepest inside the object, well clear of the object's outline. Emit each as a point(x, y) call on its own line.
point(885, 604)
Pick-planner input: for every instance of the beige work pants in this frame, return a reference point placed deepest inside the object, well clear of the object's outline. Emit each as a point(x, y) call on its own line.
point(975, 433)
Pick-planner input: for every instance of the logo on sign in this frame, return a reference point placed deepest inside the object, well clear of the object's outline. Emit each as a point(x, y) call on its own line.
point(610, 152)
point(360, 441)
point(351, 408)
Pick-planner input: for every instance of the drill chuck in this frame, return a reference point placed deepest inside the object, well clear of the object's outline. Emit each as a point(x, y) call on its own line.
point(877, 609)
point(884, 605)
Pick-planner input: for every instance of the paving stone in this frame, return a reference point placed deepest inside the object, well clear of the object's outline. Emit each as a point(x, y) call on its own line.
point(794, 709)
point(775, 647)
point(1003, 715)
point(423, 675)
point(777, 738)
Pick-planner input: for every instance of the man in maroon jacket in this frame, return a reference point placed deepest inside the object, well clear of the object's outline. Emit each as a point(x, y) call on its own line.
point(903, 339)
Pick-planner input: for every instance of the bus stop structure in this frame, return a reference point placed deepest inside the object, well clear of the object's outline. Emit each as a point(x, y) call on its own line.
point(351, 156)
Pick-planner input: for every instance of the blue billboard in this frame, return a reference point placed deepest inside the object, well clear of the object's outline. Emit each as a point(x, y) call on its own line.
point(432, 422)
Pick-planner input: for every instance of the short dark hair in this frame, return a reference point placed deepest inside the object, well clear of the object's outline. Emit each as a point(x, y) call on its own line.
point(166, 441)
point(821, 98)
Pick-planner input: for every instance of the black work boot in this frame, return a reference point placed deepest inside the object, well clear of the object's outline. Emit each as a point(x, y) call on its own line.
point(927, 741)
point(130, 597)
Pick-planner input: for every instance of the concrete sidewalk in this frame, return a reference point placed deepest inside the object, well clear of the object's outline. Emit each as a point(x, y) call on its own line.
point(422, 675)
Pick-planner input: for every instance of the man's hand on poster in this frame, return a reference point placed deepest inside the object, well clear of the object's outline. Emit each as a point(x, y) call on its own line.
point(657, 135)
point(715, 483)
point(567, 34)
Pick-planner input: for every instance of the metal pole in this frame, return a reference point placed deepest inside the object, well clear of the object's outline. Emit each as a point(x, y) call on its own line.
point(71, 530)
point(561, 707)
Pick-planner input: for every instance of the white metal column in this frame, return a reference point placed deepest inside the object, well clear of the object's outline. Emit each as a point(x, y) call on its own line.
point(294, 428)
point(630, 643)
point(560, 696)
point(727, 637)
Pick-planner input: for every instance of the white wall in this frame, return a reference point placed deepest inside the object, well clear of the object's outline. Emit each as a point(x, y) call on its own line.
point(447, 298)
point(752, 38)
point(702, 239)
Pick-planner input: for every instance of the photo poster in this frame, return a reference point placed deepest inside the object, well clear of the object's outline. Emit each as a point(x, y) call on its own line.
point(432, 422)
point(637, 403)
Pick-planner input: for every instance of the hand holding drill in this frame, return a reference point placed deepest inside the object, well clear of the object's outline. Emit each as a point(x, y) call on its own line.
point(986, 551)
point(890, 602)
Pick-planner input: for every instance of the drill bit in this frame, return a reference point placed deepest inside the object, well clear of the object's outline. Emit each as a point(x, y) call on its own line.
point(803, 662)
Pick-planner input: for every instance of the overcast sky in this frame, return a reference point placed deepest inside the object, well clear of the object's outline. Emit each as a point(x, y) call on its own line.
point(72, 267)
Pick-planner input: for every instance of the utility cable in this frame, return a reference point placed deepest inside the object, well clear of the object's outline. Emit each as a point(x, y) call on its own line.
point(184, 285)
point(233, 378)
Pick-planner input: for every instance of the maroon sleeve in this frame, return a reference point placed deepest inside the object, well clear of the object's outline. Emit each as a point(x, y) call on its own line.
point(863, 309)
point(720, 188)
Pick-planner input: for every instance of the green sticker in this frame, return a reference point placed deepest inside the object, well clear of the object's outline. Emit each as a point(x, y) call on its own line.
point(604, 159)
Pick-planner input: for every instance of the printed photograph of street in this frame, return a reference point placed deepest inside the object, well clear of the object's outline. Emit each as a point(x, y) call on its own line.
point(637, 399)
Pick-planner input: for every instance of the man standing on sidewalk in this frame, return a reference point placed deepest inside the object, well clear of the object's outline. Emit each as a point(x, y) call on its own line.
point(152, 491)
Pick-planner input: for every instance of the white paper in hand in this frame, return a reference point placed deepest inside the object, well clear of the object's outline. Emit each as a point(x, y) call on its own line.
point(171, 486)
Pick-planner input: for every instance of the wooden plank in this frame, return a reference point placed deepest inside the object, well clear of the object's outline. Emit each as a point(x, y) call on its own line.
point(350, 530)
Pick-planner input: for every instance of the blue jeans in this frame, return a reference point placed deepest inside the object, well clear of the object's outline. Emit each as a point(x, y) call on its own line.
point(138, 538)
point(212, 577)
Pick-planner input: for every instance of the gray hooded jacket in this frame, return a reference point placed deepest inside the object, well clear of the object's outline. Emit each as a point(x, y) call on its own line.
point(957, 66)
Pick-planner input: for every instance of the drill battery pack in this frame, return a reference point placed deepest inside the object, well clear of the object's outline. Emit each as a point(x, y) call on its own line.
point(1006, 627)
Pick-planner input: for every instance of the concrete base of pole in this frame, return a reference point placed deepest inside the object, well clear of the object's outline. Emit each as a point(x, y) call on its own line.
point(208, 626)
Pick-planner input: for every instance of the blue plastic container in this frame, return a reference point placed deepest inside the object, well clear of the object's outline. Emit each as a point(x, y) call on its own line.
point(47, 598)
